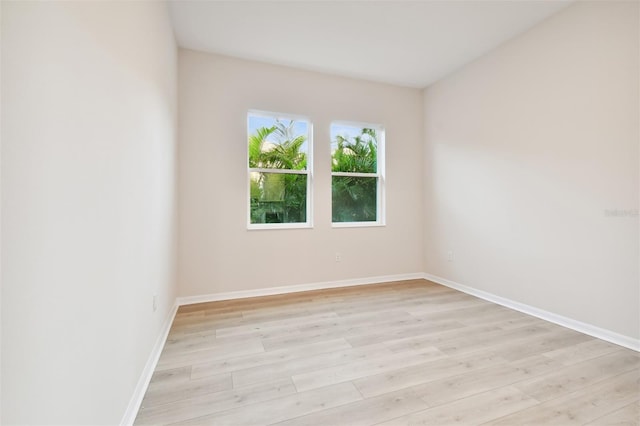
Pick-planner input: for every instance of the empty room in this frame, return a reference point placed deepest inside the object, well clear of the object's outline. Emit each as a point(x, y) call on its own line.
point(320, 212)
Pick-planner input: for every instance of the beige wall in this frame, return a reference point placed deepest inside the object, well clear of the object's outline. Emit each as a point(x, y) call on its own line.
point(526, 150)
point(216, 251)
point(88, 151)
point(0, 214)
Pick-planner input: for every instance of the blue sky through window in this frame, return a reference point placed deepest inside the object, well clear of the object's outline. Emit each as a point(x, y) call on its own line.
point(300, 128)
point(344, 130)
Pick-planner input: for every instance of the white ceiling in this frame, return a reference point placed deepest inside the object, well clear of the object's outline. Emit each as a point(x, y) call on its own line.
point(408, 43)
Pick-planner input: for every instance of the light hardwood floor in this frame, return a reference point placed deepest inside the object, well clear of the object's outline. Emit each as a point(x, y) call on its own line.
point(402, 353)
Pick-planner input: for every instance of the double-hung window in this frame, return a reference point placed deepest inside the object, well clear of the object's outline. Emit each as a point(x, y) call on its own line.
point(279, 168)
point(357, 174)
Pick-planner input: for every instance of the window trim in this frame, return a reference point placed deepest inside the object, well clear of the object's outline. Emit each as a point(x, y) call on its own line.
point(308, 172)
point(380, 175)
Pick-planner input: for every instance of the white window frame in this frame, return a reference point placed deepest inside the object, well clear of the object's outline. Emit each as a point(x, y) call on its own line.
point(308, 172)
point(380, 175)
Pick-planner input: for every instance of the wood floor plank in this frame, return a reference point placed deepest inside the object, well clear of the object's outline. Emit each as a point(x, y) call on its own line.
point(355, 370)
point(285, 408)
point(262, 326)
point(356, 333)
point(274, 314)
point(344, 323)
point(477, 381)
point(546, 342)
point(509, 323)
point(308, 364)
point(472, 343)
point(580, 375)
point(208, 339)
point(415, 342)
point(310, 323)
point(416, 328)
point(582, 406)
point(479, 314)
point(180, 359)
point(583, 351)
point(359, 335)
point(170, 376)
point(203, 405)
point(263, 359)
point(473, 410)
point(367, 412)
point(423, 309)
point(404, 377)
point(160, 393)
point(625, 416)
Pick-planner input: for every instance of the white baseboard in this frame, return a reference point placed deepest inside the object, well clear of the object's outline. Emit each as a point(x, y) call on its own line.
point(295, 288)
point(143, 383)
point(582, 327)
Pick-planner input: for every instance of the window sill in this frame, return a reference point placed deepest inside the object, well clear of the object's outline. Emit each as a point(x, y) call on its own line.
point(357, 224)
point(271, 226)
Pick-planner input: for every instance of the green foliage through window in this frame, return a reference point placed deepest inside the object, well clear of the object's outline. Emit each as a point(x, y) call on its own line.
point(356, 154)
point(277, 144)
point(354, 199)
point(355, 179)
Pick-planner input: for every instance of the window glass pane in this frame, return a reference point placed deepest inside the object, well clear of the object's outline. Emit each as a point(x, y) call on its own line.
point(354, 199)
point(277, 143)
point(353, 149)
point(278, 198)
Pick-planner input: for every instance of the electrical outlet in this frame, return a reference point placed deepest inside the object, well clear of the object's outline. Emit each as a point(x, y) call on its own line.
point(338, 257)
point(155, 302)
point(450, 256)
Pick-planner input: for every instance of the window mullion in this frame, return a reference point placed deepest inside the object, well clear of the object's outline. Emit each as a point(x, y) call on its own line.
point(282, 171)
point(355, 174)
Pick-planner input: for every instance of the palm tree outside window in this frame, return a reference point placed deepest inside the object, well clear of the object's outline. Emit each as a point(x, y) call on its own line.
point(279, 171)
point(357, 174)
